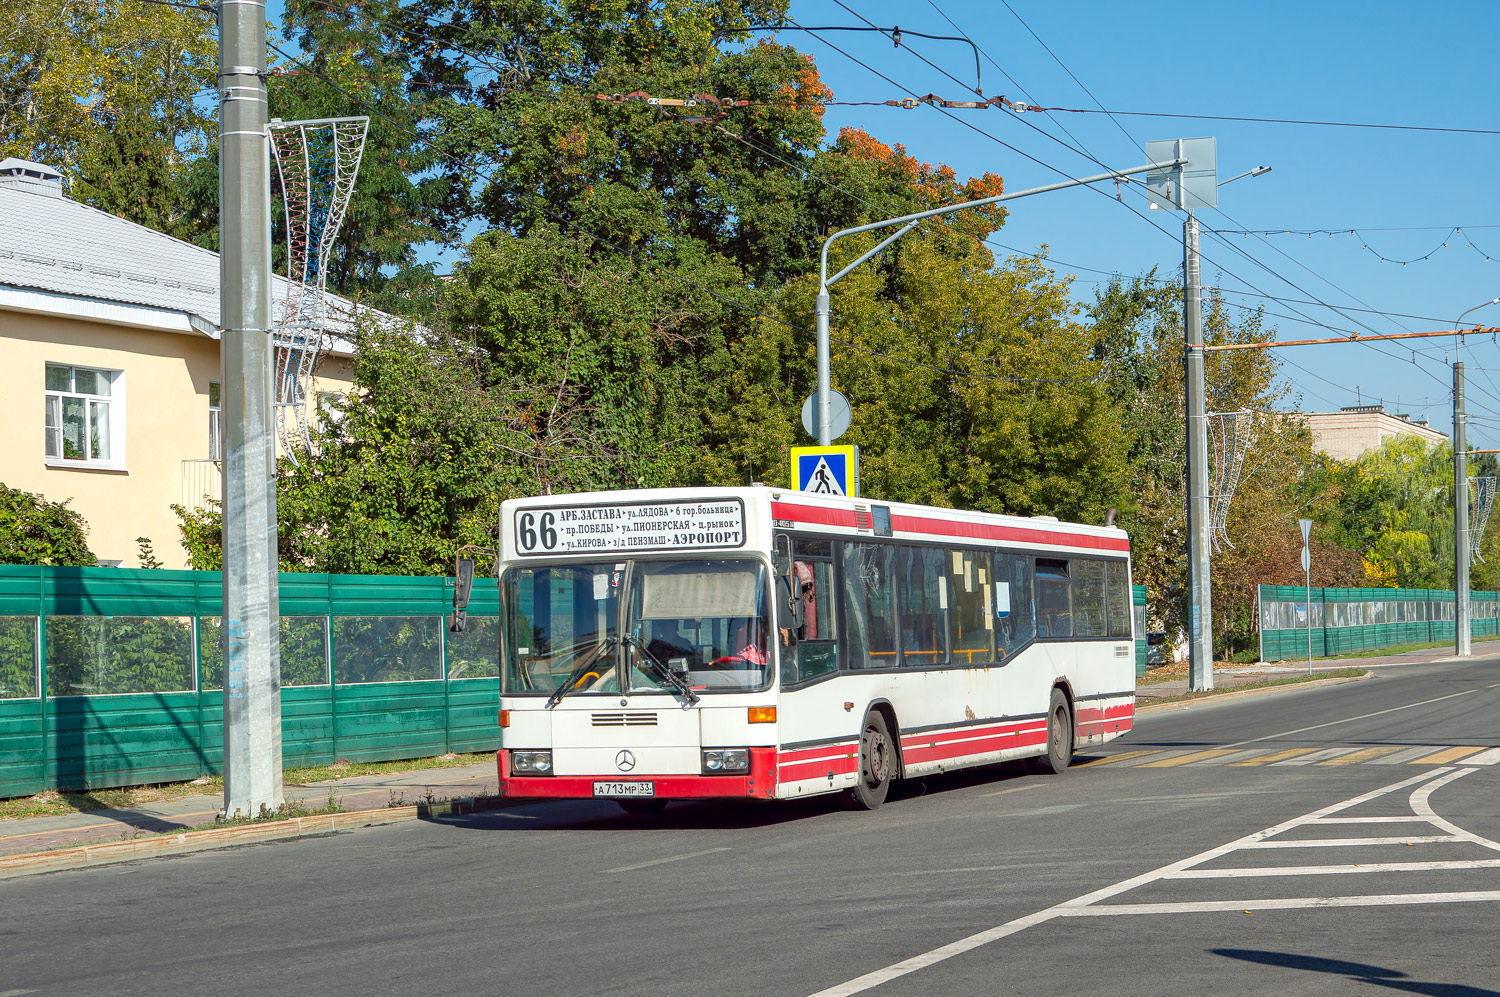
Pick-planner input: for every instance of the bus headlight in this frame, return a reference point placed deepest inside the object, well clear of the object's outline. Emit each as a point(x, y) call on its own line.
point(726, 761)
point(531, 762)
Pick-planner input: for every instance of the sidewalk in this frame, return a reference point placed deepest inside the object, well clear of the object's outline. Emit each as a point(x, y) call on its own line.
point(366, 792)
point(1226, 677)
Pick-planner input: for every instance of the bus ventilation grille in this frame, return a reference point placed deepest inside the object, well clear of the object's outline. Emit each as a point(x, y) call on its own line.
point(624, 719)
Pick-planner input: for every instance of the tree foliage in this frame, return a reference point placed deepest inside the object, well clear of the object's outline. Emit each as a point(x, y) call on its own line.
point(35, 531)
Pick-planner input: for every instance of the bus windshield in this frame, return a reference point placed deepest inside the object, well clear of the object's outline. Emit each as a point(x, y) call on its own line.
point(708, 621)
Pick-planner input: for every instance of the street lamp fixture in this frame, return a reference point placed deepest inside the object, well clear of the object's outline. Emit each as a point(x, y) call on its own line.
point(1253, 172)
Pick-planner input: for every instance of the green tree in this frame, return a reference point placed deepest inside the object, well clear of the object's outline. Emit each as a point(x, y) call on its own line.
point(35, 531)
point(94, 88)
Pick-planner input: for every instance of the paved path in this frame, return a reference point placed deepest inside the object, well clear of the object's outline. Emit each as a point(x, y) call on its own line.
point(365, 792)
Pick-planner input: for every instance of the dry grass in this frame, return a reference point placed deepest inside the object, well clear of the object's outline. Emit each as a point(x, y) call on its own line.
point(1266, 683)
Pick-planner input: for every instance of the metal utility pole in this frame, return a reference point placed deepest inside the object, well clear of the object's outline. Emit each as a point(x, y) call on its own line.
point(252, 680)
point(1460, 518)
point(907, 223)
point(1200, 587)
point(1306, 525)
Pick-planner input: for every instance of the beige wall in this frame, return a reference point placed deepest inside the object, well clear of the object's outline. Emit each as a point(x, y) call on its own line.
point(165, 393)
point(1346, 435)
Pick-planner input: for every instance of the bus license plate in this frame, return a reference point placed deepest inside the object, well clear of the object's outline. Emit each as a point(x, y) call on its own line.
point(616, 789)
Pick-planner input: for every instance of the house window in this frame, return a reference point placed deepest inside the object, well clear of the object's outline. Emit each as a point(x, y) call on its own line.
point(330, 408)
point(215, 423)
point(83, 411)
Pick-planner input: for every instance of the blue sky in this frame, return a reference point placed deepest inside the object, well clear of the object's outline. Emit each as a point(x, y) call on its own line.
point(1395, 63)
point(1402, 191)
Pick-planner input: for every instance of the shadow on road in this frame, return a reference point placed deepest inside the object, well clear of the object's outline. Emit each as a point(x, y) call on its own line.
point(1356, 972)
point(604, 815)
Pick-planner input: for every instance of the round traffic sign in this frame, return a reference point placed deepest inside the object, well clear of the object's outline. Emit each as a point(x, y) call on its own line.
point(839, 415)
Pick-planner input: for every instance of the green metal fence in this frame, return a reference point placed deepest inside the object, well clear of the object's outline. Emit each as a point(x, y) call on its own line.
point(1345, 620)
point(112, 677)
point(1138, 595)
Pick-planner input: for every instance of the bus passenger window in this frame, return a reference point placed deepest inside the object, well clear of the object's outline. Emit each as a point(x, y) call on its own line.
point(924, 607)
point(1119, 599)
point(1088, 599)
point(1054, 610)
point(868, 604)
point(1014, 620)
point(971, 607)
point(815, 650)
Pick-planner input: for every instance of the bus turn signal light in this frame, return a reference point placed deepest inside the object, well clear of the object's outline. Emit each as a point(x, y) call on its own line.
point(762, 714)
point(505, 718)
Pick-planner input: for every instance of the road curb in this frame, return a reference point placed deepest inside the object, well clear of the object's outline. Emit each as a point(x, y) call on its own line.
point(1233, 693)
point(187, 842)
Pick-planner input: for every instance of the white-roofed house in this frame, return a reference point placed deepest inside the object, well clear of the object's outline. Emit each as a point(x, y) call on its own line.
point(109, 333)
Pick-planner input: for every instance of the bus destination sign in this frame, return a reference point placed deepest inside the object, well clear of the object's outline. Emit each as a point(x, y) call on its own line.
point(635, 526)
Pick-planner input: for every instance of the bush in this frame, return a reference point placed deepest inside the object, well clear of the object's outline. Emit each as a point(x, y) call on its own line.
point(35, 531)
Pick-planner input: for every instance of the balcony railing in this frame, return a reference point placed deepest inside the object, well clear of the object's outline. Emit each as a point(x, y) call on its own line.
point(202, 480)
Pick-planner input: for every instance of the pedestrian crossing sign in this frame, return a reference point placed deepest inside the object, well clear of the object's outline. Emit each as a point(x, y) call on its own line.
point(826, 470)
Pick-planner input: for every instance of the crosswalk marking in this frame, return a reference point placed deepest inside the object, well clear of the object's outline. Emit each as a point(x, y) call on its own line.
point(1402, 757)
point(1362, 755)
point(1348, 754)
point(1444, 757)
point(1276, 756)
point(1111, 759)
point(1196, 756)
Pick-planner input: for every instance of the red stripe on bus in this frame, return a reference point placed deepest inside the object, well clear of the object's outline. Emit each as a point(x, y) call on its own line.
point(1019, 534)
point(1088, 713)
point(947, 734)
point(982, 746)
point(819, 769)
point(822, 515)
point(821, 751)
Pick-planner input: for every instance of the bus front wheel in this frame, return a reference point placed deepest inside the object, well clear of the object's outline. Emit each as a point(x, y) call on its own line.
point(1059, 738)
point(877, 765)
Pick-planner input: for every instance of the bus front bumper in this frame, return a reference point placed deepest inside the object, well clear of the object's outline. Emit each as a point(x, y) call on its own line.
point(759, 784)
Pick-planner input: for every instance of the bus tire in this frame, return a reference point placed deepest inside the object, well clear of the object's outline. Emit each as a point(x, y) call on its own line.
point(642, 806)
point(877, 765)
point(1059, 738)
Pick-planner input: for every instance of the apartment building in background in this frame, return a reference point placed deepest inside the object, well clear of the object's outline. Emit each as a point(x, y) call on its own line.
point(110, 367)
point(1354, 429)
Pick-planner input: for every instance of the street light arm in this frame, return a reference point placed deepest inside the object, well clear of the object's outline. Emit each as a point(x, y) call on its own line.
point(1484, 304)
point(881, 245)
point(825, 281)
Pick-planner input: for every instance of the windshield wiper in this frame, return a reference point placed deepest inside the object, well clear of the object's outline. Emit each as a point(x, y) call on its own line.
point(662, 669)
point(580, 671)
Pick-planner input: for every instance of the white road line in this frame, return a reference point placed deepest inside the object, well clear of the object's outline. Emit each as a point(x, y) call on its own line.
point(1082, 906)
point(1490, 757)
point(670, 858)
point(1418, 839)
point(1414, 819)
point(1287, 903)
point(1363, 716)
point(1419, 804)
point(1334, 870)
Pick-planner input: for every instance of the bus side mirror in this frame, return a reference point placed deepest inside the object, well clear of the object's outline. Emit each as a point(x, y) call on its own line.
point(787, 585)
point(463, 584)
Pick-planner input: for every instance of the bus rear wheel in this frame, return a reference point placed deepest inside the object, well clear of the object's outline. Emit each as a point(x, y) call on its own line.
point(1059, 737)
point(877, 766)
point(642, 806)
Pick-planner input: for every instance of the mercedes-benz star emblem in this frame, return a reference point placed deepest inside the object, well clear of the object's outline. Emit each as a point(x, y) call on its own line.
point(625, 761)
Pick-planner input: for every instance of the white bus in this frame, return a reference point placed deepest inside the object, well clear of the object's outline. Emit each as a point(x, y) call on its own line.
point(761, 643)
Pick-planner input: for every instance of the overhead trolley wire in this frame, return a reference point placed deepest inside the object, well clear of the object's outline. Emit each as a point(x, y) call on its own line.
point(667, 271)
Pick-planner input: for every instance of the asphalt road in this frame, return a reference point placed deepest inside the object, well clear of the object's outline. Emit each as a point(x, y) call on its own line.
point(1146, 869)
